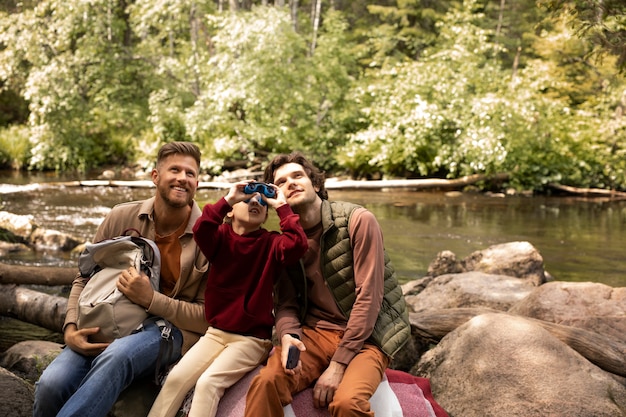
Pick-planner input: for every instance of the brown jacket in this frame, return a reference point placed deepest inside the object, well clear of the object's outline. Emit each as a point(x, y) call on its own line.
point(185, 308)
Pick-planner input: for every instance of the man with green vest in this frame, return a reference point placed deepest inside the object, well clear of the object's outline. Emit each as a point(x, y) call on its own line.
point(341, 307)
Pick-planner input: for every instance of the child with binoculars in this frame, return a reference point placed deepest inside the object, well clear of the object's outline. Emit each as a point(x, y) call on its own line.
point(245, 261)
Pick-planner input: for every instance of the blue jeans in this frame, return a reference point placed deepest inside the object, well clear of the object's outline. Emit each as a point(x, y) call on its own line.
point(86, 386)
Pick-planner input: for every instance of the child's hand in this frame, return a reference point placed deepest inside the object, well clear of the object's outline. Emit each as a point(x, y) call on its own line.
point(279, 200)
point(236, 194)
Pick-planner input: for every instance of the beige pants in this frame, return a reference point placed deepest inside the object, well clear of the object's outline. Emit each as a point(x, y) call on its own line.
point(217, 361)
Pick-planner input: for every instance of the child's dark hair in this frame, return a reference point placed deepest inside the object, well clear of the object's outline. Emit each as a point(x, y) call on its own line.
point(316, 176)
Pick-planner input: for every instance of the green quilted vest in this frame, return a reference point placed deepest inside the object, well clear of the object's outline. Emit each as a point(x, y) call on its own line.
point(392, 329)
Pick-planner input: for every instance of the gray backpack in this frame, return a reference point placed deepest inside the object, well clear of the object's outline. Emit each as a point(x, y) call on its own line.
point(101, 304)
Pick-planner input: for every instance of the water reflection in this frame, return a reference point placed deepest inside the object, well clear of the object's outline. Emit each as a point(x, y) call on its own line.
point(580, 240)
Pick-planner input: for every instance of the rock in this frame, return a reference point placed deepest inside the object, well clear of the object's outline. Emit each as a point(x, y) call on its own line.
point(22, 229)
point(18, 227)
point(28, 359)
point(53, 239)
point(107, 174)
point(16, 396)
point(445, 263)
point(503, 365)
point(515, 259)
point(6, 248)
point(587, 305)
point(136, 400)
point(468, 289)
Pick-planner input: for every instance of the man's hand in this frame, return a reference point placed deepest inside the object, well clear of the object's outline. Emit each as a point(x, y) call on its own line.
point(286, 341)
point(136, 286)
point(77, 340)
point(327, 384)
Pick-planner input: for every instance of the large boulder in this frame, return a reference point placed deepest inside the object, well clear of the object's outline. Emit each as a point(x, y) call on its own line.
point(27, 359)
point(514, 259)
point(467, 289)
point(502, 365)
point(587, 305)
point(16, 396)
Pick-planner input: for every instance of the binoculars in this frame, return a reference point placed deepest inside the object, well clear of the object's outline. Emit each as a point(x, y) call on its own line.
point(260, 187)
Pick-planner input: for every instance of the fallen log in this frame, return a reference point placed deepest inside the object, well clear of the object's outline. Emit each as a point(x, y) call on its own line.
point(331, 183)
point(35, 307)
point(36, 275)
point(416, 184)
point(589, 192)
point(604, 352)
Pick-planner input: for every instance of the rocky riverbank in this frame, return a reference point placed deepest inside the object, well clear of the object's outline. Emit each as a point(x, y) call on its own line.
point(492, 332)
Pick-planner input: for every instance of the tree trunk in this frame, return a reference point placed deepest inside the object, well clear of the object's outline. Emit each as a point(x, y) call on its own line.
point(604, 352)
point(47, 311)
point(36, 275)
point(294, 14)
point(317, 11)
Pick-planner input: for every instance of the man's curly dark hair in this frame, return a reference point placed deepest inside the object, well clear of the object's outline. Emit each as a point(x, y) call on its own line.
point(316, 176)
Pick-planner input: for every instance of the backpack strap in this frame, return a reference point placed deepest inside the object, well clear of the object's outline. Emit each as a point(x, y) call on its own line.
point(165, 346)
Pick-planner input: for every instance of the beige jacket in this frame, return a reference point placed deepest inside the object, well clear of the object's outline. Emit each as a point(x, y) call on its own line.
point(185, 308)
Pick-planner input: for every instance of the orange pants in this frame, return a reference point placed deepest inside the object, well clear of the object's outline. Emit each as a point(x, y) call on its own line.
point(272, 388)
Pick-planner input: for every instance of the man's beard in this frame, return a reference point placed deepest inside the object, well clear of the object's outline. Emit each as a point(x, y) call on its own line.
point(174, 203)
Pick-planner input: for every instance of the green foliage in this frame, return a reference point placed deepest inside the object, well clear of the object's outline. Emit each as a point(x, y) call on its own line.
point(405, 30)
point(82, 84)
point(425, 118)
point(263, 93)
point(407, 88)
point(14, 147)
point(603, 23)
point(457, 112)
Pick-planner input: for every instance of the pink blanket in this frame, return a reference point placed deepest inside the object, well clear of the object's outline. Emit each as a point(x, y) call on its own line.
point(399, 395)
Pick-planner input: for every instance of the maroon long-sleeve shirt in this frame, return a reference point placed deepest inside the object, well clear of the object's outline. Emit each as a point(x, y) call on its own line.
point(243, 268)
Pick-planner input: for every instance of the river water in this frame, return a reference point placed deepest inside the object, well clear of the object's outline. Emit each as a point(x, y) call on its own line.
point(579, 239)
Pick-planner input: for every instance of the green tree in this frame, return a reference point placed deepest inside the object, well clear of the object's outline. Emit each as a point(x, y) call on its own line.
point(457, 111)
point(603, 23)
point(73, 62)
point(263, 92)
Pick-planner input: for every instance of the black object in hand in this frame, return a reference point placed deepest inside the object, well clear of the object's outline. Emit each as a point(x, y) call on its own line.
point(293, 357)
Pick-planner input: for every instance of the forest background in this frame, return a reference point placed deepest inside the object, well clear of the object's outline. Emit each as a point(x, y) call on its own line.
point(370, 89)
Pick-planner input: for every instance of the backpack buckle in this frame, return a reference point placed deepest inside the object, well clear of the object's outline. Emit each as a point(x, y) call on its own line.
point(166, 330)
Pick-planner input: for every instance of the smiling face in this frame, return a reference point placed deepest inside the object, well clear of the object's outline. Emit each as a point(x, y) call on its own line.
point(247, 217)
point(176, 179)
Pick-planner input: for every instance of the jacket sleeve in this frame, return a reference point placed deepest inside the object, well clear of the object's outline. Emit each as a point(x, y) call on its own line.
point(292, 243)
point(369, 269)
point(206, 228)
point(186, 315)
